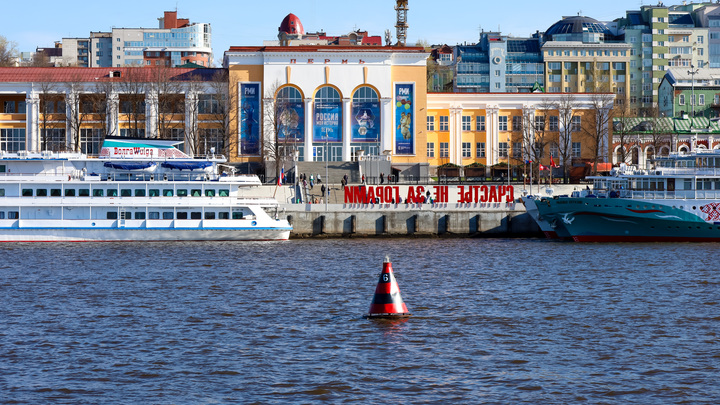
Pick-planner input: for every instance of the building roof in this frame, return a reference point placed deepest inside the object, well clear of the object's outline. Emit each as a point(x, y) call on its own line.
point(291, 25)
point(577, 25)
point(84, 74)
point(326, 48)
point(665, 125)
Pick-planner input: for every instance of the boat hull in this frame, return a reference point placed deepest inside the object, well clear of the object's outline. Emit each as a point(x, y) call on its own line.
point(626, 220)
point(155, 234)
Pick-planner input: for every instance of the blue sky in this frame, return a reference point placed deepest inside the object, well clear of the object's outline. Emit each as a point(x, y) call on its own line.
point(40, 23)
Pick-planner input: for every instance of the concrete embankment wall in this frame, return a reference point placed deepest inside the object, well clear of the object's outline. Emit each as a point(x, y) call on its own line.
point(498, 219)
point(408, 220)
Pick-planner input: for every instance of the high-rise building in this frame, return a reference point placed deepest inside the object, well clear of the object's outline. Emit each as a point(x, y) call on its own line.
point(175, 42)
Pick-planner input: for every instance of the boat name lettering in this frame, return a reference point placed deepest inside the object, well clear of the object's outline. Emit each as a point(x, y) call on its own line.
point(485, 194)
point(133, 151)
point(419, 194)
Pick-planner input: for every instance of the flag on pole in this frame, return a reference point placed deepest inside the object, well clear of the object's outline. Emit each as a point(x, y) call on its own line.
point(541, 167)
point(552, 162)
point(281, 177)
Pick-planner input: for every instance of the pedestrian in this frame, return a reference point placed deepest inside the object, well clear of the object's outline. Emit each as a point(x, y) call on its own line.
point(312, 181)
point(363, 179)
point(343, 182)
point(322, 189)
point(345, 177)
point(319, 179)
point(382, 178)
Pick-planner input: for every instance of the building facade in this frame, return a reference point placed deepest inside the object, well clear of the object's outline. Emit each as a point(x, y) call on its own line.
point(175, 42)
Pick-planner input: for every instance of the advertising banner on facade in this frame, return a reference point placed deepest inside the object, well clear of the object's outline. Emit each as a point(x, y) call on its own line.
point(365, 122)
point(404, 119)
point(326, 122)
point(249, 119)
point(291, 122)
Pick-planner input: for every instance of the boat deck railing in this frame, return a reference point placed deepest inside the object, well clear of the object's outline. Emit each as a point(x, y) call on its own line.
point(662, 195)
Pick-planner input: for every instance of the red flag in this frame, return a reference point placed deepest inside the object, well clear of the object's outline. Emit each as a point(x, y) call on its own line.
point(552, 162)
point(541, 167)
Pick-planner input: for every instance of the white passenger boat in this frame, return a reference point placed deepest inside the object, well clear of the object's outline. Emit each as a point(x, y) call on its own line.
point(137, 190)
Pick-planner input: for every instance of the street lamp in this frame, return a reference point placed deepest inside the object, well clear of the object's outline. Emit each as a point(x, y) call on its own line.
point(327, 180)
point(692, 72)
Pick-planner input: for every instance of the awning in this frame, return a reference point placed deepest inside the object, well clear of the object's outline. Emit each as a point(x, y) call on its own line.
point(186, 165)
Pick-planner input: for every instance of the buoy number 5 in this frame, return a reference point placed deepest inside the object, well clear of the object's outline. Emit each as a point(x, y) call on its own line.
point(386, 278)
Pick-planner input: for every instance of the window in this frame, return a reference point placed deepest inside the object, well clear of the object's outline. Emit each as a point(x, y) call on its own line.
point(444, 149)
point(210, 193)
point(237, 215)
point(125, 192)
point(153, 215)
point(55, 192)
point(41, 192)
point(182, 193)
point(517, 150)
point(480, 123)
point(516, 123)
point(195, 193)
point(69, 192)
point(167, 193)
point(139, 215)
point(701, 99)
point(140, 192)
point(553, 126)
point(681, 99)
point(27, 192)
point(430, 123)
point(195, 215)
point(98, 192)
point(167, 215)
point(539, 123)
point(466, 148)
point(84, 192)
point(209, 215)
point(503, 123)
point(223, 215)
point(444, 120)
point(466, 122)
point(575, 123)
point(13, 215)
point(431, 149)
point(12, 139)
point(153, 192)
point(503, 149)
point(497, 73)
point(576, 149)
point(111, 215)
point(554, 152)
point(224, 192)
point(480, 149)
point(112, 193)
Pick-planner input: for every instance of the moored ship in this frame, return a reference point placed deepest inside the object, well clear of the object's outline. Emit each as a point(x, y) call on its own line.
point(676, 198)
point(138, 189)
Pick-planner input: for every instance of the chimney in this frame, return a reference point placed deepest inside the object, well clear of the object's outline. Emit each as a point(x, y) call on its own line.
point(170, 20)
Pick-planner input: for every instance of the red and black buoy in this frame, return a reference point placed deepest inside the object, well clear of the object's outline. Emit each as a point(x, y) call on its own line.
point(387, 302)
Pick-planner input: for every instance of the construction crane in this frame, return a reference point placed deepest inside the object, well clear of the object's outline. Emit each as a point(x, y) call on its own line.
point(401, 26)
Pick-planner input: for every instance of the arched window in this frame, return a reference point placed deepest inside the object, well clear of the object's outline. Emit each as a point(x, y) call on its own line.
point(366, 116)
point(290, 115)
point(635, 156)
point(683, 150)
point(664, 151)
point(327, 124)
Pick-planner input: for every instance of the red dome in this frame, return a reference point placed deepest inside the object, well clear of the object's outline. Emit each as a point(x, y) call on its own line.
point(291, 25)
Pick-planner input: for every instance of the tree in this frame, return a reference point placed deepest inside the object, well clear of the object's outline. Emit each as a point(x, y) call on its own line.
point(79, 110)
point(132, 101)
point(217, 104)
point(535, 137)
point(100, 100)
point(622, 129)
point(52, 112)
point(169, 103)
point(8, 52)
point(598, 131)
point(565, 107)
point(276, 113)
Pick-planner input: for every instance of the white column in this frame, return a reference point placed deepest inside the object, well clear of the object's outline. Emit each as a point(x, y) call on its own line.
point(605, 141)
point(308, 130)
point(387, 134)
point(32, 136)
point(346, 129)
point(192, 132)
point(113, 120)
point(151, 115)
point(70, 109)
point(455, 135)
point(491, 133)
point(529, 114)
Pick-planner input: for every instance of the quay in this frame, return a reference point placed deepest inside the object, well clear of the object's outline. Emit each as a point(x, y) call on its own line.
point(465, 210)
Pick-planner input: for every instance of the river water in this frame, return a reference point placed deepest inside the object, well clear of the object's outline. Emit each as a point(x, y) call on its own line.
point(495, 321)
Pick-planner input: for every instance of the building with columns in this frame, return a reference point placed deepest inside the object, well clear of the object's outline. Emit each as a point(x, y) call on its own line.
point(60, 109)
point(329, 103)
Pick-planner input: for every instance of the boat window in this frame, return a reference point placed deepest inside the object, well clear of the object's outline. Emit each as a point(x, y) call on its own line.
point(210, 193)
point(2, 192)
point(84, 192)
point(167, 193)
point(112, 215)
point(27, 192)
point(195, 215)
point(182, 215)
point(2, 214)
point(13, 215)
point(55, 192)
point(182, 193)
point(224, 193)
point(209, 215)
point(139, 192)
point(153, 215)
point(69, 192)
point(139, 215)
point(98, 192)
point(196, 193)
point(154, 192)
point(237, 215)
point(112, 192)
point(223, 215)
point(125, 192)
point(125, 215)
point(41, 192)
point(167, 215)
